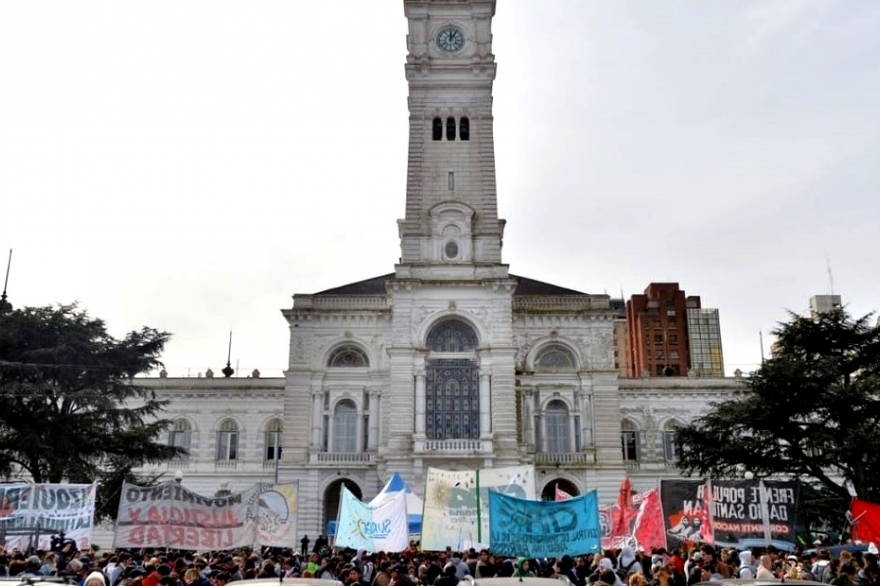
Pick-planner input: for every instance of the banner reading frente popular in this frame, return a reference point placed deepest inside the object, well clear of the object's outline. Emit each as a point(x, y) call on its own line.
point(30, 514)
point(169, 515)
point(456, 505)
point(544, 529)
point(744, 513)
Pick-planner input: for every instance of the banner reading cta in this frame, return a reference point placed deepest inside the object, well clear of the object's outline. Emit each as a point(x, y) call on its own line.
point(31, 513)
point(544, 529)
point(169, 515)
point(456, 512)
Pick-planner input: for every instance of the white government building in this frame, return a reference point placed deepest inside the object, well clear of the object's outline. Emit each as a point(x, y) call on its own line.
point(449, 361)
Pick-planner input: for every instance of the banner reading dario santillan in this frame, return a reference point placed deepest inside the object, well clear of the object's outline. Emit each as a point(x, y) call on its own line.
point(544, 529)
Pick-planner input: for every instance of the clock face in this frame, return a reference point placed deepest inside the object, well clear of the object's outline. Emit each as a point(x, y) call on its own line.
point(450, 39)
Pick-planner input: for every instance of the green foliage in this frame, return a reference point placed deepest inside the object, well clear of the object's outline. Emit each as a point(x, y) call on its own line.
point(812, 412)
point(70, 407)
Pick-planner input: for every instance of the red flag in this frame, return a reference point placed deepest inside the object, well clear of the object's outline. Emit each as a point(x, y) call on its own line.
point(561, 495)
point(624, 513)
point(865, 521)
point(707, 532)
point(649, 530)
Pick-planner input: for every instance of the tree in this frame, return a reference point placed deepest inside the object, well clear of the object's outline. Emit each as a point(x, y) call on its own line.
point(810, 412)
point(70, 406)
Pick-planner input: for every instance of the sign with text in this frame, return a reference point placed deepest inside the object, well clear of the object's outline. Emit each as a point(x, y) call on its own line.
point(544, 529)
point(743, 513)
point(381, 527)
point(169, 515)
point(456, 509)
point(30, 514)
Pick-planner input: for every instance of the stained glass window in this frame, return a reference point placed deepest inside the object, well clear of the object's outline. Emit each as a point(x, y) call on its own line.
point(348, 356)
point(554, 357)
point(452, 409)
point(452, 335)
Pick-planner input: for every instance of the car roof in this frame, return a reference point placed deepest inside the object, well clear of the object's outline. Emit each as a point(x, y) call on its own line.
point(287, 582)
point(753, 582)
point(517, 581)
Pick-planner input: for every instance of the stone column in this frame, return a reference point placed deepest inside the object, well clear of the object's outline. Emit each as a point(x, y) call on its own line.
point(375, 410)
point(420, 404)
point(485, 405)
point(317, 418)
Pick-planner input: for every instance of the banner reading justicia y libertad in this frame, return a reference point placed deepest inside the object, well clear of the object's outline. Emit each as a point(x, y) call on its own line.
point(169, 515)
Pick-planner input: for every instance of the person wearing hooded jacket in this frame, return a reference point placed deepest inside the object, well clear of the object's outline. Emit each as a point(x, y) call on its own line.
point(628, 563)
point(745, 570)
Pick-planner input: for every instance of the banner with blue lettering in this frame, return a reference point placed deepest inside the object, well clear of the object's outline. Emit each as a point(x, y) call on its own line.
point(372, 528)
point(544, 529)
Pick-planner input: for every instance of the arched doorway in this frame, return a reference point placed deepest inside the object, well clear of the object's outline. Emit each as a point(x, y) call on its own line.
point(331, 499)
point(563, 485)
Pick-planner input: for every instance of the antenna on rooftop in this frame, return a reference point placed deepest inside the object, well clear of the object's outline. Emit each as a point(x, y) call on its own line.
point(761, 341)
point(830, 274)
point(5, 305)
point(227, 372)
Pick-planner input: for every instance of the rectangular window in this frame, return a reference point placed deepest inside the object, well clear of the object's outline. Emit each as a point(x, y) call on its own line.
point(325, 441)
point(227, 445)
point(577, 433)
point(451, 179)
point(538, 442)
point(273, 446)
point(366, 445)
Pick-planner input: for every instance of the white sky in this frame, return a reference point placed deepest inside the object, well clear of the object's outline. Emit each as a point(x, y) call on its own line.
point(189, 165)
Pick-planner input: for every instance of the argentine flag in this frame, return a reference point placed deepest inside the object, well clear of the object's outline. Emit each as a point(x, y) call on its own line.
point(382, 527)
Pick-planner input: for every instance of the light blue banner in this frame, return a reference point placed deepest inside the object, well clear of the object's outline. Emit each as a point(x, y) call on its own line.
point(372, 528)
point(538, 529)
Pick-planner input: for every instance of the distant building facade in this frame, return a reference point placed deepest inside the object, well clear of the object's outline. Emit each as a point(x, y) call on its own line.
point(824, 303)
point(671, 334)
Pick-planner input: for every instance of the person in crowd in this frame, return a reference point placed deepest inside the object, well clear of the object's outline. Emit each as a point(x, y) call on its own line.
point(628, 563)
point(848, 575)
point(745, 570)
point(400, 576)
point(765, 568)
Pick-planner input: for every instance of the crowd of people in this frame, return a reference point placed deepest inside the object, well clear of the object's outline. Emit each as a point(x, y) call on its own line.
point(623, 567)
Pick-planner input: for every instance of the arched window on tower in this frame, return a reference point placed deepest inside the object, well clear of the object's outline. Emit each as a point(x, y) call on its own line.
point(437, 129)
point(630, 439)
point(465, 128)
point(345, 421)
point(557, 431)
point(452, 382)
point(450, 128)
point(555, 357)
point(348, 356)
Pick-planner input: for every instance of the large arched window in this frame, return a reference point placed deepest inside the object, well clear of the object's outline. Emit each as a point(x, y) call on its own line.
point(180, 436)
point(450, 128)
point(630, 439)
point(227, 441)
point(555, 357)
point(452, 384)
point(437, 129)
point(671, 447)
point(348, 356)
point(273, 441)
point(345, 422)
point(452, 335)
point(464, 127)
point(556, 427)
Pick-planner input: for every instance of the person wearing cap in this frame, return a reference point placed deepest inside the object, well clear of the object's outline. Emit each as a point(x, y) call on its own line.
point(399, 576)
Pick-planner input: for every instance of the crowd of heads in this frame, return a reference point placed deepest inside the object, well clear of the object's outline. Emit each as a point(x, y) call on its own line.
point(413, 567)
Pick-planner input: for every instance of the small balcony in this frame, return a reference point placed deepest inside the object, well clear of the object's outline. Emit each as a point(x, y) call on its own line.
point(452, 447)
point(348, 459)
point(581, 459)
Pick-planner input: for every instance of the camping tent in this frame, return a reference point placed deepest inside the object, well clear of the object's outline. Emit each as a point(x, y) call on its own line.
point(414, 504)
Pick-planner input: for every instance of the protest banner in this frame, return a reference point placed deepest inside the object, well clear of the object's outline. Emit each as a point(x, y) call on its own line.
point(381, 527)
point(272, 508)
point(743, 513)
point(543, 529)
point(642, 527)
point(169, 515)
point(865, 521)
point(456, 509)
point(30, 514)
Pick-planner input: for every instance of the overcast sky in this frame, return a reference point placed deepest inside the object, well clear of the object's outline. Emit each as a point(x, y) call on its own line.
point(190, 165)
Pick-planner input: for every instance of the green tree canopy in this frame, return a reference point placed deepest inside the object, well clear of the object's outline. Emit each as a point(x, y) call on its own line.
point(812, 412)
point(70, 407)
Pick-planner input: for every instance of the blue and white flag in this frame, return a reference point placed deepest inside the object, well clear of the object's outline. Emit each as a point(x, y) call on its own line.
point(372, 528)
point(544, 529)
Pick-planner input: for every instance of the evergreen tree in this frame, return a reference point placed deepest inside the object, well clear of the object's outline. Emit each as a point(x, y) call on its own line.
point(70, 406)
point(812, 412)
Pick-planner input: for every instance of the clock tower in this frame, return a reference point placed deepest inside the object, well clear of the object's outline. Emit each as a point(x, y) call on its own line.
point(451, 228)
